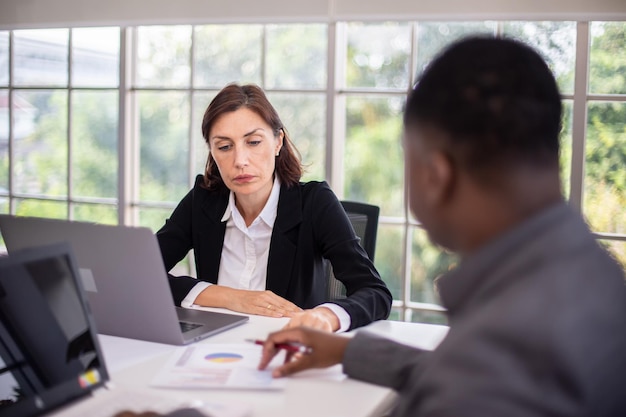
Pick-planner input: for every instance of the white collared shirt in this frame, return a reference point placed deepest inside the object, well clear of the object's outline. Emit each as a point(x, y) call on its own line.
point(245, 253)
point(246, 248)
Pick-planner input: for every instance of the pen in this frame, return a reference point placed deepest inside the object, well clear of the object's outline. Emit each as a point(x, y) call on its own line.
point(289, 347)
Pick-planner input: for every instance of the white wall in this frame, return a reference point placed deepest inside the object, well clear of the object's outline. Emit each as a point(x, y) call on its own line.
point(52, 13)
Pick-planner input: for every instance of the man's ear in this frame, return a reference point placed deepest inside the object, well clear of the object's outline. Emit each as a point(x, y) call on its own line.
point(441, 178)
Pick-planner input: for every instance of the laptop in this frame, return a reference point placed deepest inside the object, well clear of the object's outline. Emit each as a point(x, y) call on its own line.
point(50, 356)
point(123, 274)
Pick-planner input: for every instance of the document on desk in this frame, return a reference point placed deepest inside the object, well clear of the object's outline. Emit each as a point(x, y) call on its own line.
point(231, 366)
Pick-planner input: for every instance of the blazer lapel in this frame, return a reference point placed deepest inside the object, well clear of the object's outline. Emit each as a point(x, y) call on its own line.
point(284, 238)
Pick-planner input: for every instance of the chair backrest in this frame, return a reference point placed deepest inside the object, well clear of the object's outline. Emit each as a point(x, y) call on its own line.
point(364, 220)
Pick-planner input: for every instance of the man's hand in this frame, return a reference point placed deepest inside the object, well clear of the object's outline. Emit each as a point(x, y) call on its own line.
point(327, 349)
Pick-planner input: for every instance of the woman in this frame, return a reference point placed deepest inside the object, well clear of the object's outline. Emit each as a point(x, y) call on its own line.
point(259, 235)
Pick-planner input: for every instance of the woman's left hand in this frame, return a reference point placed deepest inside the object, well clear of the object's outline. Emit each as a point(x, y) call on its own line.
point(320, 318)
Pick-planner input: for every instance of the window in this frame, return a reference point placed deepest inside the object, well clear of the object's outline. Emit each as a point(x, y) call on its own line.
point(59, 128)
point(179, 69)
point(604, 193)
point(103, 124)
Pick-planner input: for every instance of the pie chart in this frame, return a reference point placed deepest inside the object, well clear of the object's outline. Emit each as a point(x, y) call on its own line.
point(223, 357)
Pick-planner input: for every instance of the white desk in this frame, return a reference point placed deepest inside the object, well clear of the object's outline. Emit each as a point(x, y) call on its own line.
point(134, 363)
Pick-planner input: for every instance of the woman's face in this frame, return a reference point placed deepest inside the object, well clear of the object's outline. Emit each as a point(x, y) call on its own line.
point(244, 148)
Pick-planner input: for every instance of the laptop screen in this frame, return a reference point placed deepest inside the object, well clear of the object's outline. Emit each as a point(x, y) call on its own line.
point(49, 352)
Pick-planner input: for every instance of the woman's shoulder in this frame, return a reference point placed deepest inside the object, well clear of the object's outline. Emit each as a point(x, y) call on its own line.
point(317, 193)
point(313, 184)
point(314, 188)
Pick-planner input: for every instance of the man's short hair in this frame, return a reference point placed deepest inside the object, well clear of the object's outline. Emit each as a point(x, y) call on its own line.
point(496, 100)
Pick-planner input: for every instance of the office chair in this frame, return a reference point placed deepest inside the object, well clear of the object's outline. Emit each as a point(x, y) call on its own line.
point(364, 220)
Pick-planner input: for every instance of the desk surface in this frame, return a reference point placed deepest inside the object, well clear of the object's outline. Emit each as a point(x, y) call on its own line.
point(134, 363)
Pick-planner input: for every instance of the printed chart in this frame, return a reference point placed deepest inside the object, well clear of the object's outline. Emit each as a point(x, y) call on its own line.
point(218, 366)
point(223, 357)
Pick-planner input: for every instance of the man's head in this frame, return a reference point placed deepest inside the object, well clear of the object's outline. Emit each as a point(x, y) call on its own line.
point(484, 111)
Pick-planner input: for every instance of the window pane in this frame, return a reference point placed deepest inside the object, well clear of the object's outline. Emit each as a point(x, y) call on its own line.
point(40, 147)
point(40, 57)
point(396, 314)
point(434, 36)
point(41, 208)
point(566, 147)
point(4, 140)
point(373, 159)
point(427, 263)
point(617, 249)
point(216, 62)
point(432, 317)
point(378, 55)
point(304, 117)
point(201, 101)
point(164, 145)
point(95, 57)
point(96, 213)
point(605, 179)
point(607, 58)
point(556, 41)
point(389, 257)
point(153, 218)
point(4, 58)
point(163, 56)
point(94, 146)
point(296, 56)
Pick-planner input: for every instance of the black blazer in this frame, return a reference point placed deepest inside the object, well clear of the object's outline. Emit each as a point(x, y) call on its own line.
point(310, 226)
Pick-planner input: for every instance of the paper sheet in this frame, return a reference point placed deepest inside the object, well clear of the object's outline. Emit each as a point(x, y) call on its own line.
point(218, 366)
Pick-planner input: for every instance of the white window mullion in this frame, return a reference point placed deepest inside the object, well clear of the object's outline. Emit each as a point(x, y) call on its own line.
point(125, 129)
point(263, 56)
point(579, 122)
point(11, 123)
point(70, 144)
point(191, 155)
point(337, 130)
point(331, 83)
point(407, 229)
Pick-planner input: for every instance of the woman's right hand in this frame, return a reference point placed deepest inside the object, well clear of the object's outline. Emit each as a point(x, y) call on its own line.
point(262, 303)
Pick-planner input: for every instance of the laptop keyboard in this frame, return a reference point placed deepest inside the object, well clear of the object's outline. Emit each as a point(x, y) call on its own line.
point(186, 326)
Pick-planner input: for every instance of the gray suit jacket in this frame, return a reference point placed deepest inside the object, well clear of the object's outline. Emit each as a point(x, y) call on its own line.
point(537, 328)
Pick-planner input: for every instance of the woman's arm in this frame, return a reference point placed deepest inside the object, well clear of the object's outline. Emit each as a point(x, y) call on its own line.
point(263, 303)
point(368, 298)
point(175, 242)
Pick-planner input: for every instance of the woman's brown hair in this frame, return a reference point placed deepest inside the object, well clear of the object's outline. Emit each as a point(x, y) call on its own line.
point(233, 97)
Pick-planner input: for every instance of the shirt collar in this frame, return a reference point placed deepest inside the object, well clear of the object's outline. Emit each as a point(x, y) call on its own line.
point(269, 212)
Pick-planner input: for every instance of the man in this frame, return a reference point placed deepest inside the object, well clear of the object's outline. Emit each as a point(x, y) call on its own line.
point(537, 310)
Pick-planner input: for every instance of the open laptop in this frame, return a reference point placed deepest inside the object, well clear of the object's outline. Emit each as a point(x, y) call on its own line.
point(123, 273)
point(50, 356)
